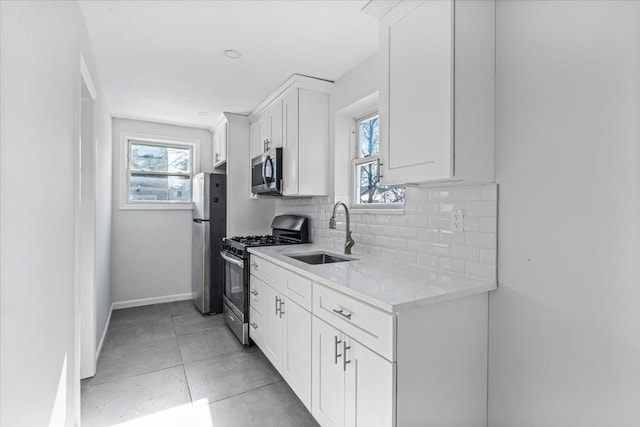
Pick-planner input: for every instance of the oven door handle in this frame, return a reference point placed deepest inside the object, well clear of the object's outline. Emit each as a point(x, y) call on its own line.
point(238, 262)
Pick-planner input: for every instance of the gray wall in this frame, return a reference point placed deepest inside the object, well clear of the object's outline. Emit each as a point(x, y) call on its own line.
point(151, 249)
point(41, 43)
point(565, 321)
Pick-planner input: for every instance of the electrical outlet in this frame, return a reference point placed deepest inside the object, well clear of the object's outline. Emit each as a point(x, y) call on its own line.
point(457, 220)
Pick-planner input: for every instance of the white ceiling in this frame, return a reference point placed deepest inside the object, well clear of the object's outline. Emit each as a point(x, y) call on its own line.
point(163, 60)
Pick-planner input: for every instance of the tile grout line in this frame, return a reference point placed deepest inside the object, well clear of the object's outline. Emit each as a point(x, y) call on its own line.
point(247, 391)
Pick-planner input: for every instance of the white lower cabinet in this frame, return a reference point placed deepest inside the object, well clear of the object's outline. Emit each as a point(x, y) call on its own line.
point(286, 339)
point(352, 385)
point(354, 365)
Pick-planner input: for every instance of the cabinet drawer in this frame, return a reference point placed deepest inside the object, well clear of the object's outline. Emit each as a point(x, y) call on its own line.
point(256, 327)
point(366, 324)
point(256, 266)
point(296, 288)
point(256, 294)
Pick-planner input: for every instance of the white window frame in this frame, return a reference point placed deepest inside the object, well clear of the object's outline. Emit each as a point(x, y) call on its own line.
point(126, 140)
point(357, 161)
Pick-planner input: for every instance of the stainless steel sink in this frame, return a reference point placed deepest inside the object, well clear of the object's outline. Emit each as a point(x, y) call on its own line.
point(319, 258)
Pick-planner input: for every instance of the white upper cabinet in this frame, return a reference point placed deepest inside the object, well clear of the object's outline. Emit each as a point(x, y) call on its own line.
point(437, 92)
point(296, 118)
point(220, 144)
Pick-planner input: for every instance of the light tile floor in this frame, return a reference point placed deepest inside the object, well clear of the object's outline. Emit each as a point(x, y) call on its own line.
point(167, 365)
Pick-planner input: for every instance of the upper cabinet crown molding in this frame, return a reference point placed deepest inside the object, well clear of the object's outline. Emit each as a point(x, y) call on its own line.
point(437, 92)
point(298, 81)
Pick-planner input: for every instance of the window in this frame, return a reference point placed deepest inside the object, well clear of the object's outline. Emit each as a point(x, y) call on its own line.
point(158, 174)
point(367, 189)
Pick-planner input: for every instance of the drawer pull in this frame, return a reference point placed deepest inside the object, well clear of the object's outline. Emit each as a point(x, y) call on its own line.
point(277, 306)
point(254, 325)
point(342, 313)
point(254, 292)
point(254, 265)
point(281, 305)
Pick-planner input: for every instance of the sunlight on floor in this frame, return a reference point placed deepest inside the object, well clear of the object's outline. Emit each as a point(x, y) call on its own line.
point(190, 414)
point(60, 403)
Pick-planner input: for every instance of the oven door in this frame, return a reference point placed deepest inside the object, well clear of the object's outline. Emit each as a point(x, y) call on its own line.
point(236, 285)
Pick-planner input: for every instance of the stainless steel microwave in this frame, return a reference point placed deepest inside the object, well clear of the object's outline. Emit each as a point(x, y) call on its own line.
point(266, 173)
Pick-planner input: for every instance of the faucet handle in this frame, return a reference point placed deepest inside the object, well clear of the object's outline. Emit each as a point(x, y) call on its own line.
point(349, 244)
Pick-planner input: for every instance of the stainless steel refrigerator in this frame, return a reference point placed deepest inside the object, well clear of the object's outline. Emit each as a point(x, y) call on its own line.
point(209, 227)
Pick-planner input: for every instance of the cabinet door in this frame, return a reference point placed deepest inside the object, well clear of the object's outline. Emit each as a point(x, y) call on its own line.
point(296, 353)
point(264, 133)
point(220, 145)
point(369, 387)
point(416, 92)
point(327, 380)
point(272, 338)
point(275, 125)
point(254, 139)
point(290, 143)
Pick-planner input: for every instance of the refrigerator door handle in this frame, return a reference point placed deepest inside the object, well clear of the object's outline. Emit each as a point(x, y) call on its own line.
point(238, 262)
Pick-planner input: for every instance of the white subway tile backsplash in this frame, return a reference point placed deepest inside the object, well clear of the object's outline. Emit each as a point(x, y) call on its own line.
point(429, 261)
point(429, 208)
point(488, 224)
point(471, 223)
point(488, 256)
point(465, 253)
point(480, 271)
point(420, 234)
point(428, 235)
point(440, 222)
point(449, 264)
point(439, 194)
point(482, 208)
point(489, 192)
point(439, 249)
point(480, 240)
point(467, 193)
point(417, 246)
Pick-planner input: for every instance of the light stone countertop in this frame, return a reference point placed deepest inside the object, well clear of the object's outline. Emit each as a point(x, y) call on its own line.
point(387, 285)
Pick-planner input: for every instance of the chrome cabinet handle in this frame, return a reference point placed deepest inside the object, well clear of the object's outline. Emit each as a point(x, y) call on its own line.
point(255, 265)
point(342, 313)
point(281, 305)
point(345, 347)
point(277, 305)
point(254, 325)
point(335, 348)
point(254, 292)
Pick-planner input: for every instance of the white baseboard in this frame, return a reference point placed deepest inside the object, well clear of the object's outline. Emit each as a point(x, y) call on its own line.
point(104, 334)
point(149, 301)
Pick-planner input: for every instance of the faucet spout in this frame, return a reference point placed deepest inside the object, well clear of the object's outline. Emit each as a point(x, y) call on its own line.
point(348, 244)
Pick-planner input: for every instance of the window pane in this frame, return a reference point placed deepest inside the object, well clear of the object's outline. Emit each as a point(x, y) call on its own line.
point(369, 190)
point(368, 133)
point(159, 159)
point(154, 187)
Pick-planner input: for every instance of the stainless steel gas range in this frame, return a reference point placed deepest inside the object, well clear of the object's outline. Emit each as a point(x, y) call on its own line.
point(286, 230)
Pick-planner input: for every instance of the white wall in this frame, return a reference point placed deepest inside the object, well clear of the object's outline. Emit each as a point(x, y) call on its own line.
point(102, 129)
point(41, 44)
point(565, 320)
point(151, 249)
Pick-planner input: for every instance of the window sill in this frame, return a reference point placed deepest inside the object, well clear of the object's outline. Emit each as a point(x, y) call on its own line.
point(381, 210)
point(157, 206)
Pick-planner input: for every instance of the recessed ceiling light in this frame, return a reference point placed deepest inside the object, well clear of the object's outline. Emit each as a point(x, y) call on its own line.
point(203, 113)
point(232, 54)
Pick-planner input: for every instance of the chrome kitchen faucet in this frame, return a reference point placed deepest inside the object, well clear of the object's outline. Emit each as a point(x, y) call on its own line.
point(348, 244)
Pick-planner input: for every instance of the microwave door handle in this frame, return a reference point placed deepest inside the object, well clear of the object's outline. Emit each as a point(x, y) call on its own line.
point(272, 177)
point(264, 175)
